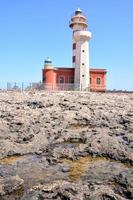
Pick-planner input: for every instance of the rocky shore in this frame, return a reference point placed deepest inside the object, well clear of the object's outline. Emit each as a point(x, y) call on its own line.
point(66, 146)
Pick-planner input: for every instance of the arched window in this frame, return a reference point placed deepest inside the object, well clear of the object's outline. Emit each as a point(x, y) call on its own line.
point(61, 79)
point(44, 79)
point(98, 81)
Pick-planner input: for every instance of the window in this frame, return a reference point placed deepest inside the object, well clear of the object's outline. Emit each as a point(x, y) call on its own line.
point(83, 51)
point(44, 79)
point(83, 64)
point(74, 59)
point(74, 46)
point(71, 80)
point(83, 75)
point(90, 81)
point(98, 81)
point(61, 79)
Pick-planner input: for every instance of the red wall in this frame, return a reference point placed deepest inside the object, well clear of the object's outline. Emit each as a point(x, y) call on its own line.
point(94, 74)
point(66, 73)
point(51, 78)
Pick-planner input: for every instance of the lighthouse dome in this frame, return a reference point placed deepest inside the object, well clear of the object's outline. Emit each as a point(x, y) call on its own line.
point(78, 11)
point(48, 63)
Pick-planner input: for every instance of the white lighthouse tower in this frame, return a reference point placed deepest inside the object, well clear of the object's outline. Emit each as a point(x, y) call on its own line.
point(80, 58)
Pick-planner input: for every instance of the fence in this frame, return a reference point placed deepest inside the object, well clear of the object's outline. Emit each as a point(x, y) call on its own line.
point(23, 86)
point(10, 86)
point(62, 86)
point(41, 86)
point(37, 86)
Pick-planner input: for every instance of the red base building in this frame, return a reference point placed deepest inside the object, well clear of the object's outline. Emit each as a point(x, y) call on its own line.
point(61, 78)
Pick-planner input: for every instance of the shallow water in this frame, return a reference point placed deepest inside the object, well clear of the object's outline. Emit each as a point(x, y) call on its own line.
point(35, 169)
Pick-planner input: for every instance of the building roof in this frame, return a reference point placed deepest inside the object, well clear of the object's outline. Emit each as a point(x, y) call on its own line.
point(64, 68)
point(98, 70)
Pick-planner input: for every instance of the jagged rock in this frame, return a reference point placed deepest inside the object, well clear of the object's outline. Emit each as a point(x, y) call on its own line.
point(79, 145)
point(63, 190)
point(10, 184)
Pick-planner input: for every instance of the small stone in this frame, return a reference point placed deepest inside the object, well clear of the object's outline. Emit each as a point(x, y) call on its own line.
point(65, 169)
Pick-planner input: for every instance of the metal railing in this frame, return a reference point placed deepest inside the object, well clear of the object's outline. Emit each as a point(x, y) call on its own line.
point(63, 86)
point(23, 86)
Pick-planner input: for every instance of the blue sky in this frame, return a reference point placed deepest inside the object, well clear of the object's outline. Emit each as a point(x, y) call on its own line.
point(31, 30)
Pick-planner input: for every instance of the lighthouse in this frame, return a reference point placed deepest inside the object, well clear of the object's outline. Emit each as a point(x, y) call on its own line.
point(79, 76)
point(80, 52)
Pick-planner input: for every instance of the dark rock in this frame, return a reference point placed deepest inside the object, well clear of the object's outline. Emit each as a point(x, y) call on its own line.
point(35, 104)
point(11, 184)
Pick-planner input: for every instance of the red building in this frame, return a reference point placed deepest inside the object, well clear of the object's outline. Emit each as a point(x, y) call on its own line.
point(57, 78)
